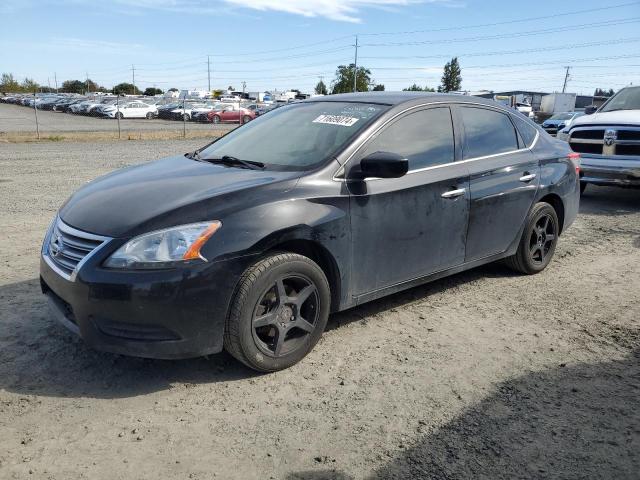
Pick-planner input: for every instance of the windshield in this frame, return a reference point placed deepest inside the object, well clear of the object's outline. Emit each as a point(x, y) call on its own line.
point(562, 116)
point(296, 137)
point(625, 99)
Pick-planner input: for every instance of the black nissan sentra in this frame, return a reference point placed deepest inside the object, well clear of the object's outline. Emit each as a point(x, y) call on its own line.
point(249, 243)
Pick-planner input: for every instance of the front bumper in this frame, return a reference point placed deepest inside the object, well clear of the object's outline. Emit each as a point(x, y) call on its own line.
point(168, 314)
point(615, 170)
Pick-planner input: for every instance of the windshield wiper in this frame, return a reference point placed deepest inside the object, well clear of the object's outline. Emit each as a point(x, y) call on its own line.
point(229, 160)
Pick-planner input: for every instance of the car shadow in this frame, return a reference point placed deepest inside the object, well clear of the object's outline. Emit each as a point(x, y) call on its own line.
point(397, 300)
point(609, 201)
point(38, 356)
point(578, 421)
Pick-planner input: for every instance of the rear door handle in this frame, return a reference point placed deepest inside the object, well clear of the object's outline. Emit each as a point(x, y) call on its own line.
point(454, 193)
point(527, 177)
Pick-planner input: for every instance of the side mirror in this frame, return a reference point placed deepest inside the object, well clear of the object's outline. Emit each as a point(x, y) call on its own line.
point(383, 165)
point(590, 109)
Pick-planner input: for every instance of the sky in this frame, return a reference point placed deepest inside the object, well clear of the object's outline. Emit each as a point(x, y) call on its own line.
point(286, 44)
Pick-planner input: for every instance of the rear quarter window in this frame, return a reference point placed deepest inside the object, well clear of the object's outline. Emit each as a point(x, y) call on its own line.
point(527, 131)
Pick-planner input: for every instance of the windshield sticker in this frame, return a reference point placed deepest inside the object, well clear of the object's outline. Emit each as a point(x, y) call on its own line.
point(341, 120)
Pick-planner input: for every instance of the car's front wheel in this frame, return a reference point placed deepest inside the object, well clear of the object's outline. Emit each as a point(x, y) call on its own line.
point(215, 119)
point(149, 115)
point(278, 313)
point(119, 115)
point(583, 186)
point(538, 242)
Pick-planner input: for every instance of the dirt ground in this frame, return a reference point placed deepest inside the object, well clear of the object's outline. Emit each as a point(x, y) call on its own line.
point(486, 374)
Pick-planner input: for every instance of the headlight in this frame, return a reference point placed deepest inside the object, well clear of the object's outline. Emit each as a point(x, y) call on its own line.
point(163, 248)
point(563, 135)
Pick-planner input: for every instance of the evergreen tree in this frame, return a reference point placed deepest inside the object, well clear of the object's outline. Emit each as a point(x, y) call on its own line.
point(451, 78)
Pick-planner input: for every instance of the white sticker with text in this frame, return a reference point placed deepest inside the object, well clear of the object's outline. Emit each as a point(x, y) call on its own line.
point(336, 120)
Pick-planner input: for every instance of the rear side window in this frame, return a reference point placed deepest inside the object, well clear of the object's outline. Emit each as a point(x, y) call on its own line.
point(527, 131)
point(425, 138)
point(487, 132)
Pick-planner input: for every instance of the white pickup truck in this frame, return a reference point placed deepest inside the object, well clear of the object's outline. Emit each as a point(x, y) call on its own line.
point(609, 141)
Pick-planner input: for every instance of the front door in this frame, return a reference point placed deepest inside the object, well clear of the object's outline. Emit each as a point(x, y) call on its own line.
point(504, 177)
point(405, 228)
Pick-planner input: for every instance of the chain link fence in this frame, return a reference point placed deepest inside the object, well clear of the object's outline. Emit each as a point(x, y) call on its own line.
point(56, 117)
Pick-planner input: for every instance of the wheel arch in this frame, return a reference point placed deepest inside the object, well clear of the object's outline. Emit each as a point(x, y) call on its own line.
point(320, 255)
point(558, 205)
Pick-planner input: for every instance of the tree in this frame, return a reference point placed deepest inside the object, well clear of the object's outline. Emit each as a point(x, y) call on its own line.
point(8, 83)
point(126, 89)
point(151, 91)
point(343, 82)
point(378, 88)
point(451, 78)
point(73, 86)
point(173, 89)
point(603, 93)
point(321, 88)
point(29, 85)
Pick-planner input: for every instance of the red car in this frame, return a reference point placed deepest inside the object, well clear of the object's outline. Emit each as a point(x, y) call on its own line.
point(231, 115)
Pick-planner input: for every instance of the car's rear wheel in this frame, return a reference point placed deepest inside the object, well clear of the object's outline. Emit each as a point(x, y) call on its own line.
point(119, 115)
point(538, 242)
point(186, 117)
point(278, 313)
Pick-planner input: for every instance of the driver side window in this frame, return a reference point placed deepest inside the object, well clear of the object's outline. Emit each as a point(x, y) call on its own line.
point(424, 137)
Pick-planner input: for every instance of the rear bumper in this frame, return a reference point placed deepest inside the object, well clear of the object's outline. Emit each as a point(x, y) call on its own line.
point(618, 170)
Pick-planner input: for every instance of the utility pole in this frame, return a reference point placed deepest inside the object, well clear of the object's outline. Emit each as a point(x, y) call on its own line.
point(355, 69)
point(566, 79)
point(209, 72)
point(55, 78)
point(244, 86)
point(87, 82)
point(133, 74)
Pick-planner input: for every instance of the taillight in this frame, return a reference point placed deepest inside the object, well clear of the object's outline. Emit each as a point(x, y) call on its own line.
point(575, 159)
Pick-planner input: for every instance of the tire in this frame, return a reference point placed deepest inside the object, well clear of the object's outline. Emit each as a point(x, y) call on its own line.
point(215, 119)
point(246, 119)
point(149, 115)
point(119, 115)
point(538, 242)
point(583, 187)
point(269, 326)
point(186, 117)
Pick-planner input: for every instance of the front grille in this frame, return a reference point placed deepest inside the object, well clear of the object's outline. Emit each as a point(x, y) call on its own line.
point(67, 246)
point(620, 141)
point(588, 134)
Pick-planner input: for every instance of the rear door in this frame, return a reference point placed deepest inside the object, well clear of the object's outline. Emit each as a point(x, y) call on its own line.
point(504, 177)
point(405, 228)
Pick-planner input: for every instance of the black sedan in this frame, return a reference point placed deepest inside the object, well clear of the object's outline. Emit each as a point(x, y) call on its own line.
point(249, 243)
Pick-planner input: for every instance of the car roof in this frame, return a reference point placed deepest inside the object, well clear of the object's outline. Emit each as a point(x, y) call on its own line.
point(398, 98)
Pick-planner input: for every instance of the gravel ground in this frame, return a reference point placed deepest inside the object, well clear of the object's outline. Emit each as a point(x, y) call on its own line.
point(15, 118)
point(486, 374)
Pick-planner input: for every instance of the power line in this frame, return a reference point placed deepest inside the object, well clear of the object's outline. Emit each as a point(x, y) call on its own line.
point(606, 23)
point(511, 52)
point(506, 22)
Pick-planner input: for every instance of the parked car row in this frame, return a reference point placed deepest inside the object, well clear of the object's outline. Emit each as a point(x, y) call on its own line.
point(210, 111)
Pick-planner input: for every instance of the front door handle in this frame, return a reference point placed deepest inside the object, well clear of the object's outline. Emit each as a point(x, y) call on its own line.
point(527, 177)
point(454, 193)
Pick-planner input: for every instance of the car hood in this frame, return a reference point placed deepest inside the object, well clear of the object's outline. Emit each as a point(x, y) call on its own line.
point(173, 191)
point(624, 117)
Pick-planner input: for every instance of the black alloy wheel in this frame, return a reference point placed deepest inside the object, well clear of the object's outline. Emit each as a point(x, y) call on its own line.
point(285, 315)
point(278, 313)
point(538, 241)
